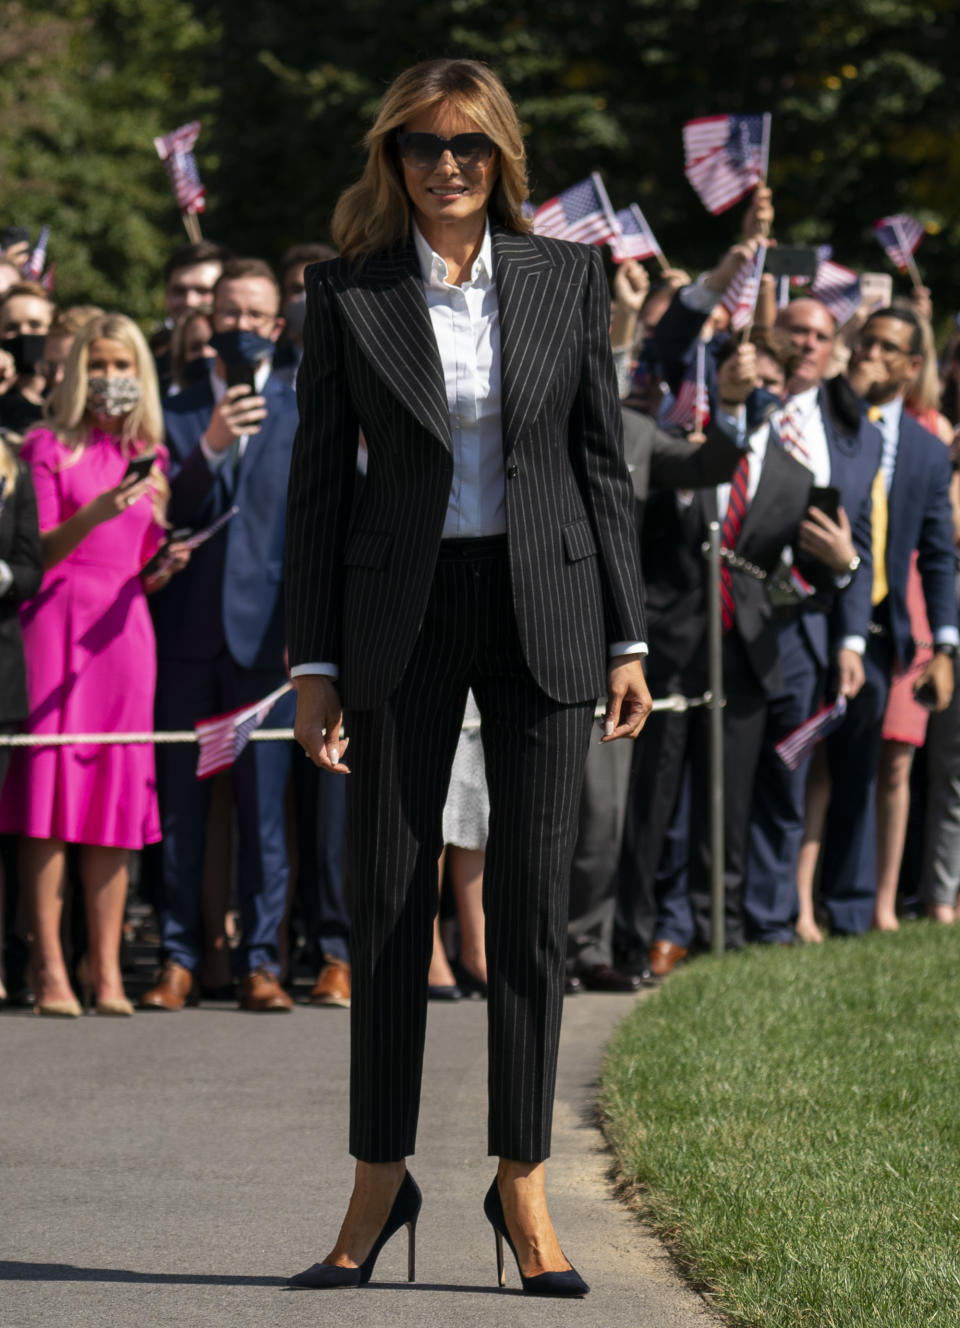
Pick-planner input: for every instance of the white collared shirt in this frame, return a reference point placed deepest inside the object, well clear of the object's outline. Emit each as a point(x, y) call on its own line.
point(756, 449)
point(889, 426)
point(811, 429)
point(466, 324)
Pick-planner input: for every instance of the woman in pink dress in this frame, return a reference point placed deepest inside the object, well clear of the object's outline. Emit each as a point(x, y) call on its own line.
point(91, 659)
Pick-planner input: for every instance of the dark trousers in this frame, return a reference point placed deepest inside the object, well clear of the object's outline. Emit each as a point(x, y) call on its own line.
point(321, 799)
point(188, 690)
point(849, 877)
point(400, 756)
point(596, 855)
point(778, 815)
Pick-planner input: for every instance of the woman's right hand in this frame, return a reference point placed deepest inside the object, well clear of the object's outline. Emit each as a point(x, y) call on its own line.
point(317, 725)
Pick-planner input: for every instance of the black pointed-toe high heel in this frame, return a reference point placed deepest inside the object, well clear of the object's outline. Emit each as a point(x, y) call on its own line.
point(405, 1211)
point(565, 1283)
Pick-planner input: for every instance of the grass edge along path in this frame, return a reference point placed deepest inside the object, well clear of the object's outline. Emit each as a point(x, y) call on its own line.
point(789, 1120)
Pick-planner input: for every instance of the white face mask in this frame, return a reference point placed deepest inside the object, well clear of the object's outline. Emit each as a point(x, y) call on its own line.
point(112, 396)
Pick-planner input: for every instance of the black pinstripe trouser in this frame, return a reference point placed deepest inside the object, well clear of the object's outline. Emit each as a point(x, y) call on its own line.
point(400, 757)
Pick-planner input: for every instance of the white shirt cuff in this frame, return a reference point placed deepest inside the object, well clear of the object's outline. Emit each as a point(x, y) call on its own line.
point(6, 578)
point(213, 459)
point(857, 644)
point(629, 648)
point(698, 298)
point(943, 636)
point(734, 426)
point(314, 670)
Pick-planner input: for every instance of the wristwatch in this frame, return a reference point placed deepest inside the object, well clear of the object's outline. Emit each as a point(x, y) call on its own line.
point(945, 648)
point(852, 565)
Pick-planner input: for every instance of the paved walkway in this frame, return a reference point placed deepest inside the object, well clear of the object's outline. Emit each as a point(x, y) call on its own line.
point(172, 1170)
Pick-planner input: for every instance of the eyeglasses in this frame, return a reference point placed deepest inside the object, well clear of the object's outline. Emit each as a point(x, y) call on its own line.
point(228, 318)
point(422, 152)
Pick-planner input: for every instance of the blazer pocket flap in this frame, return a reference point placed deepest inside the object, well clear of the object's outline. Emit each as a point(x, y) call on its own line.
point(367, 548)
point(578, 540)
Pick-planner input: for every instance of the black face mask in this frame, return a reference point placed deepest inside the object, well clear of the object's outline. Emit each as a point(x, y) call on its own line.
point(27, 349)
point(240, 346)
point(196, 371)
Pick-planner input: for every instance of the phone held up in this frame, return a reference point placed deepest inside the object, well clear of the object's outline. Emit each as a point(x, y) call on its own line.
point(140, 466)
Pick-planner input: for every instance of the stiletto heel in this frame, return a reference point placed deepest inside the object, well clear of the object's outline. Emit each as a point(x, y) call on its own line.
point(411, 1251)
point(565, 1283)
point(405, 1211)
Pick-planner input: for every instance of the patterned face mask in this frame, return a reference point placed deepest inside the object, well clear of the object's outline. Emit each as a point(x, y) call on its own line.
point(112, 396)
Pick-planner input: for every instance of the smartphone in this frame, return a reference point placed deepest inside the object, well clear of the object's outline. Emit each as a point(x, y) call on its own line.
point(241, 373)
point(140, 466)
point(876, 289)
point(791, 260)
point(826, 499)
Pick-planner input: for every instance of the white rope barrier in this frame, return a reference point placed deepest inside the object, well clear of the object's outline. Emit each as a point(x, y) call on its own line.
point(676, 704)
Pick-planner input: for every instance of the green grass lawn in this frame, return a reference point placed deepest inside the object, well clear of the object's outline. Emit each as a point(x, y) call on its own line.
point(790, 1120)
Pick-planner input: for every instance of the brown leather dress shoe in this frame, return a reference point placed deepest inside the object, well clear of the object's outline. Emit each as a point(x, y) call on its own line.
point(260, 991)
point(173, 990)
point(664, 957)
point(332, 986)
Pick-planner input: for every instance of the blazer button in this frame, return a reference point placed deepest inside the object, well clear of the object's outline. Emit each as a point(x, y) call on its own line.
point(512, 472)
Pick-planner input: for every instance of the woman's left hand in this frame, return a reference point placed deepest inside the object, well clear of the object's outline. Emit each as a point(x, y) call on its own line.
point(628, 698)
point(159, 495)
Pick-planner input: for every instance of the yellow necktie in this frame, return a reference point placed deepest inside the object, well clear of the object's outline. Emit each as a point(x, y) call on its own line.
point(878, 524)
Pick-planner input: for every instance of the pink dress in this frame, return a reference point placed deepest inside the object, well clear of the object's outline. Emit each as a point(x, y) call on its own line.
point(905, 720)
point(91, 662)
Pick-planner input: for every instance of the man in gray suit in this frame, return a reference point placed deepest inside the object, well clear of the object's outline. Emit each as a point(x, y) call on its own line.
point(655, 459)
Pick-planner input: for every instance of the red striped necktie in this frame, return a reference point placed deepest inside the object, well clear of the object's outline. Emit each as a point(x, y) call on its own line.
point(791, 434)
point(730, 532)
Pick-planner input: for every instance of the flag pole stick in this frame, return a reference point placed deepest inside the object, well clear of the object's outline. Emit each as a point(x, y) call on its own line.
point(765, 147)
point(908, 256)
point(192, 225)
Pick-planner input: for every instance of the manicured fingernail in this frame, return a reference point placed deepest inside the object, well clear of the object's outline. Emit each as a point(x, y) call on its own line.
point(608, 728)
point(334, 755)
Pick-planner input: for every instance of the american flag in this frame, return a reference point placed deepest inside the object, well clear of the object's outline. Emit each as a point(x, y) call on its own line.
point(796, 746)
point(838, 288)
point(33, 267)
point(900, 237)
point(582, 212)
point(725, 157)
point(223, 737)
point(690, 408)
point(176, 152)
point(635, 238)
point(740, 297)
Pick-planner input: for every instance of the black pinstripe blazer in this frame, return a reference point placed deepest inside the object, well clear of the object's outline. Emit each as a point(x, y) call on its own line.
point(358, 576)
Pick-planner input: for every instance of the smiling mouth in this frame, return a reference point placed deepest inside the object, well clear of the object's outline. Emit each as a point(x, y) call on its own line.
point(446, 191)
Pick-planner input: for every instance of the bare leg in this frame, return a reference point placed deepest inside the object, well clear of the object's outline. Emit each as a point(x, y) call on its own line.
point(43, 864)
point(441, 974)
point(945, 914)
point(818, 800)
point(375, 1187)
point(893, 809)
point(524, 1199)
point(466, 873)
point(105, 873)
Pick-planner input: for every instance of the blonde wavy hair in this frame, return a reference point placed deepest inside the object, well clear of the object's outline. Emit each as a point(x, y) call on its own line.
point(143, 427)
point(374, 214)
point(9, 470)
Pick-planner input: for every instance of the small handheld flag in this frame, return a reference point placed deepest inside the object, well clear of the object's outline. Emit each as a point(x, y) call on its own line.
point(223, 737)
point(690, 408)
point(33, 267)
point(797, 746)
point(176, 152)
point(635, 239)
point(838, 288)
point(725, 156)
point(740, 297)
point(583, 213)
point(900, 237)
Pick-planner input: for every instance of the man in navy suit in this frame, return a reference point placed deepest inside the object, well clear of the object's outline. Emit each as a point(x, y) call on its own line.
point(221, 635)
point(824, 633)
point(916, 478)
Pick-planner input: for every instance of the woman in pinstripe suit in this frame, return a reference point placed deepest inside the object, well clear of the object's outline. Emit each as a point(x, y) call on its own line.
point(492, 547)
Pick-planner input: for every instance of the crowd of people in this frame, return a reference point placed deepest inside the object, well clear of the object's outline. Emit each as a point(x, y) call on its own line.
point(826, 456)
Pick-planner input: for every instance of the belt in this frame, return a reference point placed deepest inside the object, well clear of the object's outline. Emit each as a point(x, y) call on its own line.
point(463, 550)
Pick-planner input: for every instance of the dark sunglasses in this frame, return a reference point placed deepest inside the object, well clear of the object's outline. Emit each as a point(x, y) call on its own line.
point(422, 152)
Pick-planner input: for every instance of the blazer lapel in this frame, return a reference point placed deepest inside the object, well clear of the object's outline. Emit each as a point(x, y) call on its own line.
point(534, 318)
point(387, 313)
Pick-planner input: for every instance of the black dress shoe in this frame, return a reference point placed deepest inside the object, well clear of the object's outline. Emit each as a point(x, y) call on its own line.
point(604, 977)
point(445, 993)
point(573, 985)
point(470, 987)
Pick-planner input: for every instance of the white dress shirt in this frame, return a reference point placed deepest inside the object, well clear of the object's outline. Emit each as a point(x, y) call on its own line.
point(810, 427)
point(466, 324)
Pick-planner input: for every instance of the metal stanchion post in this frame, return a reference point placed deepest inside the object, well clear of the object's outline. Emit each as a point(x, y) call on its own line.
point(715, 683)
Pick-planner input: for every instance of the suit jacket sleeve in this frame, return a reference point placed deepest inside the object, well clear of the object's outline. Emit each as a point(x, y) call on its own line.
point(854, 606)
point(24, 558)
point(936, 557)
point(322, 474)
point(676, 463)
point(675, 338)
point(596, 440)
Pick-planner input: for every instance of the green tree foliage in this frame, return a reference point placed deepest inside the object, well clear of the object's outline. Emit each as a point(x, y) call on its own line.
point(865, 122)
